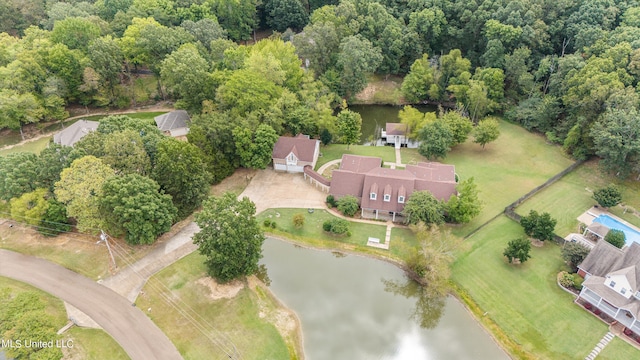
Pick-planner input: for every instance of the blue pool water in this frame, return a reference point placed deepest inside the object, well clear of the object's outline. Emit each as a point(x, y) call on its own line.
point(630, 233)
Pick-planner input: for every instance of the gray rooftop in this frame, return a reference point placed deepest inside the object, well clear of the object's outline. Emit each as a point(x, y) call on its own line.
point(172, 120)
point(75, 132)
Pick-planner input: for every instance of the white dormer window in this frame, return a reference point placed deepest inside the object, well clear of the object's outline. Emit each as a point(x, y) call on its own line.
point(291, 159)
point(623, 291)
point(612, 284)
point(373, 196)
point(387, 197)
point(401, 199)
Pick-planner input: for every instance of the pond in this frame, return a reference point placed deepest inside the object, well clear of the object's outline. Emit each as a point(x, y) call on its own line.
point(352, 307)
point(376, 116)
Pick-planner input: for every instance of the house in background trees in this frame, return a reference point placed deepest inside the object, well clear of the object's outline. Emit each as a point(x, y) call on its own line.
point(612, 283)
point(174, 123)
point(292, 154)
point(395, 134)
point(383, 192)
point(75, 132)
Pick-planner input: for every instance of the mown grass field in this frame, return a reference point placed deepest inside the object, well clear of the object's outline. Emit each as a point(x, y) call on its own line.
point(88, 344)
point(335, 151)
point(311, 233)
point(506, 169)
point(572, 195)
point(224, 323)
point(31, 146)
point(524, 300)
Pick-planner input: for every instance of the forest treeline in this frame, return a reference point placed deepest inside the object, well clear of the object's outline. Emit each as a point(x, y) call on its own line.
point(567, 69)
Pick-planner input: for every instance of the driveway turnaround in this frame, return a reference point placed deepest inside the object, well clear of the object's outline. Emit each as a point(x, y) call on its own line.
point(140, 338)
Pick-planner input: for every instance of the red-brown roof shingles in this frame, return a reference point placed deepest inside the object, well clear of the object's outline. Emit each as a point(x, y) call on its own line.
point(303, 147)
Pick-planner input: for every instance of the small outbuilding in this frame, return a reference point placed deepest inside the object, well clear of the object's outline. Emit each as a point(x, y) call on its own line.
point(292, 154)
point(174, 123)
point(75, 132)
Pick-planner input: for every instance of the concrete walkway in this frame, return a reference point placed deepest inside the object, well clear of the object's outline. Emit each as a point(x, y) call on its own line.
point(601, 345)
point(327, 165)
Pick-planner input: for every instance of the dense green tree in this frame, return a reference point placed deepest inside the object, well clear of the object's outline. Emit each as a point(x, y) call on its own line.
point(608, 196)
point(213, 134)
point(255, 149)
point(30, 207)
point(55, 219)
point(246, 91)
point(573, 253)
point(283, 14)
point(348, 205)
point(237, 17)
point(435, 140)
point(107, 59)
point(349, 127)
point(186, 73)
point(466, 205)
point(205, 31)
point(17, 109)
point(51, 161)
point(429, 24)
point(75, 32)
point(414, 120)
point(133, 204)
point(616, 238)
point(18, 174)
point(80, 188)
point(181, 173)
point(422, 206)
point(319, 44)
point(487, 130)
point(356, 58)
point(539, 226)
point(518, 249)
point(230, 238)
point(459, 125)
point(421, 83)
point(616, 136)
point(124, 151)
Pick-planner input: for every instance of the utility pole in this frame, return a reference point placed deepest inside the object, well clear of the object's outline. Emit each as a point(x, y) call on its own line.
point(103, 237)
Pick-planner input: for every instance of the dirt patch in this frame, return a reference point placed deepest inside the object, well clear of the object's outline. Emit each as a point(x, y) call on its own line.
point(368, 93)
point(237, 182)
point(537, 243)
point(220, 291)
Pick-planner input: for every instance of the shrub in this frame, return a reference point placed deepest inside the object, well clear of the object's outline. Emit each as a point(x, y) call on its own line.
point(266, 223)
point(573, 253)
point(273, 224)
point(298, 220)
point(588, 306)
point(336, 226)
point(331, 201)
point(566, 280)
point(608, 196)
point(577, 282)
point(348, 205)
point(615, 238)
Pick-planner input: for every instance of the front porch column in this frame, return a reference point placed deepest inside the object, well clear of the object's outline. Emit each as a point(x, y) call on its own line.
point(376, 214)
point(599, 302)
point(617, 312)
point(393, 219)
point(633, 322)
point(362, 212)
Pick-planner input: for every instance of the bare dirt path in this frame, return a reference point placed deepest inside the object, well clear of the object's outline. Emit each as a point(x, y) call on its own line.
point(131, 328)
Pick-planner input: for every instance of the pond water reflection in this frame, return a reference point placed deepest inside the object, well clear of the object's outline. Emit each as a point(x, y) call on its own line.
point(353, 307)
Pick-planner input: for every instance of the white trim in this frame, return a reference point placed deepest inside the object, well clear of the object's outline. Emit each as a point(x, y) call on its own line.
point(373, 196)
point(387, 197)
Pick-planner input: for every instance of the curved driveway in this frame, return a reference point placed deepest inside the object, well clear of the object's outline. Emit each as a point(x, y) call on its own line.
point(130, 327)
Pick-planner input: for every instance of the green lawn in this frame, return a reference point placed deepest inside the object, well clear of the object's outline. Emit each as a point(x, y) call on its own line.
point(572, 195)
point(88, 344)
point(236, 319)
point(312, 233)
point(505, 170)
point(31, 146)
point(524, 300)
point(335, 151)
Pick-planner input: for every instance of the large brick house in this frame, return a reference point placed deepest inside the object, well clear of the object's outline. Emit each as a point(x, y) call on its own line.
point(383, 191)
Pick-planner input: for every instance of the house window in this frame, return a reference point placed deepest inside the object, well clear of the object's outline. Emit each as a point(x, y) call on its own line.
point(387, 197)
point(291, 159)
point(612, 284)
point(401, 199)
point(373, 196)
point(623, 291)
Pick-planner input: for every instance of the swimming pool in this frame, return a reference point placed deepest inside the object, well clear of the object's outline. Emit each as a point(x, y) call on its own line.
point(631, 234)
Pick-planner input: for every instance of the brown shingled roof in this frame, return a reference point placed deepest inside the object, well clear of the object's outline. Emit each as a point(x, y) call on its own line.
point(303, 147)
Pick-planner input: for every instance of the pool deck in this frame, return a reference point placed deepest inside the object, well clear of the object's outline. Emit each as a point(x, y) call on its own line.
point(588, 216)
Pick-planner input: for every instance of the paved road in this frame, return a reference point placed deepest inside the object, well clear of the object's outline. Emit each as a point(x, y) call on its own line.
point(140, 338)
